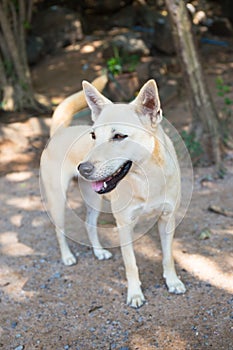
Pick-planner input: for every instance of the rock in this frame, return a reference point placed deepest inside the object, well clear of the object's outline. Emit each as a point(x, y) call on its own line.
point(14, 324)
point(163, 40)
point(227, 6)
point(60, 27)
point(146, 15)
point(35, 49)
point(124, 18)
point(221, 26)
point(130, 43)
point(123, 87)
point(104, 6)
point(168, 91)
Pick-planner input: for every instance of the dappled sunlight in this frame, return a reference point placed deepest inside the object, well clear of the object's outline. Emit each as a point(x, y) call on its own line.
point(146, 339)
point(10, 245)
point(13, 283)
point(17, 220)
point(228, 231)
point(26, 203)
point(19, 176)
point(87, 49)
point(205, 269)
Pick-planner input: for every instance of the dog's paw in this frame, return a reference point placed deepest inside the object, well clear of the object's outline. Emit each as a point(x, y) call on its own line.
point(176, 286)
point(102, 254)
point(136, 300)
point(69, 259)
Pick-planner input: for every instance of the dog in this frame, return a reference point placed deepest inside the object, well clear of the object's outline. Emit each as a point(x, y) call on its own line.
point(124, 153)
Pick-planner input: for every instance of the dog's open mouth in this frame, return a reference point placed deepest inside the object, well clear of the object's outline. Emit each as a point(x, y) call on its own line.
point(108, 184)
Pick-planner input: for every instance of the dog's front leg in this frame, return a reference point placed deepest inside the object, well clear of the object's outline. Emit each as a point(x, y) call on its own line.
point(92, 214)
point(135, 297)
point(91, 226)
point(166, 225)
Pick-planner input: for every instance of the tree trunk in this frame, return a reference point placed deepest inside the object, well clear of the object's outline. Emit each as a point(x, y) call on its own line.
point(205, 119)
point(16, 86)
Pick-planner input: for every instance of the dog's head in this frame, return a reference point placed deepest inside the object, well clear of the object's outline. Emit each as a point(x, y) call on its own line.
point(122, 133)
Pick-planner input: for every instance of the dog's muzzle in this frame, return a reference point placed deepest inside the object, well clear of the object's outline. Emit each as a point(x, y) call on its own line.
point(104, 185)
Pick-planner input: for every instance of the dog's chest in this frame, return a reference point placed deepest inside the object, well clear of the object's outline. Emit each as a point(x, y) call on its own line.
point(141, 194)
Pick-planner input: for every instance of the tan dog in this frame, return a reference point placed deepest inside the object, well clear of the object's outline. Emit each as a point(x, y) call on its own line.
point(125, 156)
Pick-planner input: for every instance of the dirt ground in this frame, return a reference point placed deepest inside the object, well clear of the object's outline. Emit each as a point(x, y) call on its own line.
point(46, 305)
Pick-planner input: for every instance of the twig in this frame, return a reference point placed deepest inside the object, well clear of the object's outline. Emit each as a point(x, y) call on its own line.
point(222, 211)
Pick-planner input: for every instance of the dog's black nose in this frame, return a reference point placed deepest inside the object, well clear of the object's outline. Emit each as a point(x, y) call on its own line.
point(86, 169)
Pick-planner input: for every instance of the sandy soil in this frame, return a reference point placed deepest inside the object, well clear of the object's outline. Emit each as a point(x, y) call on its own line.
point(45, 305)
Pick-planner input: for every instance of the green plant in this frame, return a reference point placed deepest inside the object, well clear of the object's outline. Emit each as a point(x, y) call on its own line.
point(222, 90)
point(119, 64)
point(194, 147)
point(114, 64)
point(226, 112)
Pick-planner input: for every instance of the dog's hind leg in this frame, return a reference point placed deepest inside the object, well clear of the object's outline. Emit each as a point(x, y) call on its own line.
point(93, 211)
point(55, 189)
point(166, 225)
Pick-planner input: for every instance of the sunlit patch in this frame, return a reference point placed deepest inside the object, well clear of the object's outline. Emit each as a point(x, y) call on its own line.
point(27, 203)
point(87, 49)
point(16, 220)
point(11, 246)
point(13, 284)
point(206, 269)
point(19, 176)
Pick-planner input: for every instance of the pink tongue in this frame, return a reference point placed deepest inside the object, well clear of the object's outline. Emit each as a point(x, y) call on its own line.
point(97, 185)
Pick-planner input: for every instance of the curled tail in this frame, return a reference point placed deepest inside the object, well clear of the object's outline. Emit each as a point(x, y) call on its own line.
point(63, 114)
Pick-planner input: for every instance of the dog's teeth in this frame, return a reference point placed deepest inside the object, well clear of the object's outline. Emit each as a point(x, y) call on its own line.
point(105, 185)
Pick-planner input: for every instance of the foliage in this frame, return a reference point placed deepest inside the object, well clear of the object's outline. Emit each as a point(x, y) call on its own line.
point(193, 146)
point(226, 113)
point(118, 64)
point(222, 90)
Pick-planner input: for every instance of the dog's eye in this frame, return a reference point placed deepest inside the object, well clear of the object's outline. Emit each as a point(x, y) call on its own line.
point(118, 137)
point(92, 135)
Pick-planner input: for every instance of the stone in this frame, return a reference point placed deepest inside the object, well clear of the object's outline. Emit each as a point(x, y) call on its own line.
point(104, 6)
point(163, 39)
point(60, 27)
point(221, 26)
point(130, 43)
point(35, 49)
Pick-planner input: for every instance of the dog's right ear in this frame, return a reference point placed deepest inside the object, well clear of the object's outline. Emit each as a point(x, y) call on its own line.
point(95, 100)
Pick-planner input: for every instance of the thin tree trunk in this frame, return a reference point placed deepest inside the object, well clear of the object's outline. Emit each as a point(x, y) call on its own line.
point(205, 120)
point(3, 79)
point(7, 32)
point(22, 39)
point(15, 75)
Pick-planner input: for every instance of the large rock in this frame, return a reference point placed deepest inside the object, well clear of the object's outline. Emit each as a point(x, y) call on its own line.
point(130, 43)
point(221, 26)
point(35, 49)
point(163, 39)
point(58, 27)
point(104, 6)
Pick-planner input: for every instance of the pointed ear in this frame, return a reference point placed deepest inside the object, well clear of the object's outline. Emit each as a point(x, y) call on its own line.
point(95, 100)
point(147, 104)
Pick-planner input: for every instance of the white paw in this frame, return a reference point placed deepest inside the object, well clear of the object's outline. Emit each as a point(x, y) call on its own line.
point(176, 286)
point(69, 259)
point(102, 254)
point(135, 300)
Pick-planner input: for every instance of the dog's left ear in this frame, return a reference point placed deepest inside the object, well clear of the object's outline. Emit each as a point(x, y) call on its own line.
point(147, 104)
point(95, 100)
